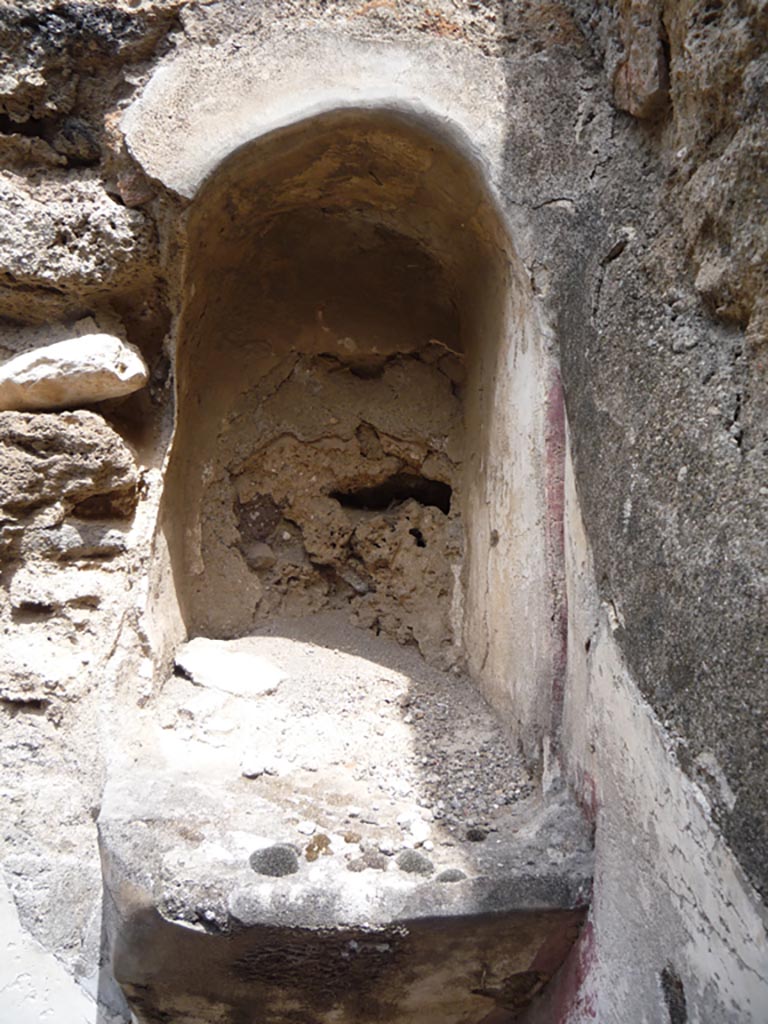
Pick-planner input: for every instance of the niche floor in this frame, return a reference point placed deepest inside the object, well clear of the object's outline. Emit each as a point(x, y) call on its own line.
point(314, 825)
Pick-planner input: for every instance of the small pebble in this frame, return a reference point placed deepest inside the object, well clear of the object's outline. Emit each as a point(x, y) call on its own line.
point(420, 831)
point(374, 860)
point(253, 767)
point(319, 844)
point(306, 828)
point(275, 861)
point(415, 863)
point(451, 875)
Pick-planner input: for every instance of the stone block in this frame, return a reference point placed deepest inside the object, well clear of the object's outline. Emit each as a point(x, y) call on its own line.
point(297, 894)
point(75, 372)
point(74, 459)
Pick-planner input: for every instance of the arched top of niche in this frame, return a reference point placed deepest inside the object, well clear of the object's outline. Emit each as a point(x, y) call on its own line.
point(412, 139)
point(389, 172)
point(204, 101)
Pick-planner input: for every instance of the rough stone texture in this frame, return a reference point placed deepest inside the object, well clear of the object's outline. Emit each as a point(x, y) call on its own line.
point(61, 616)
point(68, 235)
point(78, 371)
point(296, 546)
point(626, 142)
point(70, 246)
point(319, 856)
point(48, 47)
point(709, 144)
point(73, 460)
point(641, 75)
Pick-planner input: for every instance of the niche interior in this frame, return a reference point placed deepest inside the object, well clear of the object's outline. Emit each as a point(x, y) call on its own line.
point(348, 432)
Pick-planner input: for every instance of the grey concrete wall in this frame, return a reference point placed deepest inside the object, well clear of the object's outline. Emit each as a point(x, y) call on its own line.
point(663, 359)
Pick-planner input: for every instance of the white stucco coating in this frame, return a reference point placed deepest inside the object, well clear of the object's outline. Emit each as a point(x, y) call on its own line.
point(507, 604)
point(34, 987)
point(205, 102)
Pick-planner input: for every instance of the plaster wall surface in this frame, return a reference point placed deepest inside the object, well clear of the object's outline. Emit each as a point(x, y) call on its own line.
point(509, 595)
point(675, 930)
point(35, 986)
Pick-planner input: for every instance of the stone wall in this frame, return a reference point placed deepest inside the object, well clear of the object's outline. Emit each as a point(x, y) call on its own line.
point(616, 600)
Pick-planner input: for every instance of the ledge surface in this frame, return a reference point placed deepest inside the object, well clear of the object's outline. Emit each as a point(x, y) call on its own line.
point(353, 841)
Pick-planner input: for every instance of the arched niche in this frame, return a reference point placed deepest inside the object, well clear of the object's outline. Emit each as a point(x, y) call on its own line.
point(359, 388)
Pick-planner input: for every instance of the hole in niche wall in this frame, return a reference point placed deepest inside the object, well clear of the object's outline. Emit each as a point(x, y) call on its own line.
point(32, 611)
point(31, 128)
point(395, 490)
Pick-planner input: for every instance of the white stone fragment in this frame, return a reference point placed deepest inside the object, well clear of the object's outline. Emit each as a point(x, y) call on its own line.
point(213, 663)
point(70, 373)
point(306, 828)
point(420, 831)
point(253, 767)
point(417, 830)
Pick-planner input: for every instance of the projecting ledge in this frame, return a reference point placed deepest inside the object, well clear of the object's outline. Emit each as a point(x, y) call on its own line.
point(197, 936)
point(320, 828)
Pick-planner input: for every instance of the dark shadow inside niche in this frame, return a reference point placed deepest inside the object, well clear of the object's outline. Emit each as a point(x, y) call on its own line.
point(394, 491)
point(32, 128)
